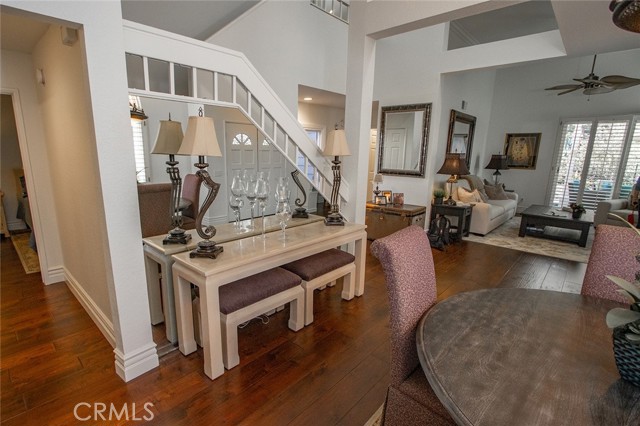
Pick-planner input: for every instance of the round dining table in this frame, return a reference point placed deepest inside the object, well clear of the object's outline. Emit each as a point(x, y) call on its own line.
point(516, 356)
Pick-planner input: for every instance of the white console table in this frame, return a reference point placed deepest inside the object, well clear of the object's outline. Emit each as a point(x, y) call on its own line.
point(156, 253)
point(242, 258)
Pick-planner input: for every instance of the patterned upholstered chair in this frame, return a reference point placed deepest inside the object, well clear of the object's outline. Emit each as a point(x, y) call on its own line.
point(411, 285)
point(613, 253)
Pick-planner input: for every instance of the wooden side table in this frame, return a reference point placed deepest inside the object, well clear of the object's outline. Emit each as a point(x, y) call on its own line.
point(383, 220)
point(462, 213)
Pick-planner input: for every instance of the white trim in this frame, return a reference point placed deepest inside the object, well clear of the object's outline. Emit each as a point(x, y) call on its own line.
point(56, 274)
point(136, 363)
point(99, 318)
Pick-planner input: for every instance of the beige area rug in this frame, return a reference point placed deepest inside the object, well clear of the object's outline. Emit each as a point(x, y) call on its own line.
point(376, 419)
point(506, 235)
point(27, 255)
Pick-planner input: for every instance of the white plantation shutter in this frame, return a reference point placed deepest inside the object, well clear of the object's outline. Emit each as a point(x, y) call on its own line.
point(597, 160)
point(138, 148)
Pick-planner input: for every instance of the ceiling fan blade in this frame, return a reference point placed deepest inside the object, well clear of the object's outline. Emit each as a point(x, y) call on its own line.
point(590, 80)
point(564, 87)
point(620, 79)
point(570, 90)
point(598, 90)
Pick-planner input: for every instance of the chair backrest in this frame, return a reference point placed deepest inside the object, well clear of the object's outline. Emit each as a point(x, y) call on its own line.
point(154, 200)
point(191, 191)
point(613, 253)
point(411, 285)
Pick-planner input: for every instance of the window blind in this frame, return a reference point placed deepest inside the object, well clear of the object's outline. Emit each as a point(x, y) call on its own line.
point(138, 148)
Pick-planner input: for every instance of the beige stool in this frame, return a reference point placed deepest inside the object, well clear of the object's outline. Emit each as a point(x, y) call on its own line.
point(323, 269)
point(249, 297)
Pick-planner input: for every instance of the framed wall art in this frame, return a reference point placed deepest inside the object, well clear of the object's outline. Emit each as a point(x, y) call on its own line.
point(521, 150)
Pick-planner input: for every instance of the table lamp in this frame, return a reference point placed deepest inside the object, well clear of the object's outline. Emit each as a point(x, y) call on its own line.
point(200, 139)
point(454, 165)
point(168, 142)
point(497, 162)
point(377, 179)
point(336, 147)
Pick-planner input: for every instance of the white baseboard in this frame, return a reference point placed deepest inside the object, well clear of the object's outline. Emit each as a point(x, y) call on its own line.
point(54, 275)
point(134, 364)
point(99, 318)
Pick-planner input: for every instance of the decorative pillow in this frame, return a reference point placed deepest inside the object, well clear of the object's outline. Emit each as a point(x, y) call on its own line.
point(469, 197)
point(495, 192)
point(476, 183)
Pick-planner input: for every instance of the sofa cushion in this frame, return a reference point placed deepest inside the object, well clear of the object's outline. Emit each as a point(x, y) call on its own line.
point(495, 192)
point(467, 196)
point(476, 183)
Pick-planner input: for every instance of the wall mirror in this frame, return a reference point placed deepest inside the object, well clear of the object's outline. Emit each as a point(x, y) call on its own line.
point(404, 132)
point(460, 139)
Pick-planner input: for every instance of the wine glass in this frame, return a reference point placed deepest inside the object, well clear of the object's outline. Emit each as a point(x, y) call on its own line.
point(262, 193)
point(283, 214)
point(237, 191)
point(250, 183)
point(282, 189)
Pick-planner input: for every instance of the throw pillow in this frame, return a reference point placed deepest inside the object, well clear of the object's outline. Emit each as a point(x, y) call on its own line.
point(495, 192)
point(469, 197)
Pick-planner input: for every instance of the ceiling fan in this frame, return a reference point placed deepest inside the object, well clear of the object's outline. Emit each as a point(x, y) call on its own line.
point(593, 85)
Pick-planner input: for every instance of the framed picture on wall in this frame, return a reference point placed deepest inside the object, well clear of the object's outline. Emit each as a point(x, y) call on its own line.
point(521, 150)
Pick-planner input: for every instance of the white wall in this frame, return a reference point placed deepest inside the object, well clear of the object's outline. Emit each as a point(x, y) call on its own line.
point(290, 43)
point(18, 79)
point(102, 144)
point(520, 105)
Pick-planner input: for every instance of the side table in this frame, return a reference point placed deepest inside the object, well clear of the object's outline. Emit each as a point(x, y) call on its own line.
point(461, 212)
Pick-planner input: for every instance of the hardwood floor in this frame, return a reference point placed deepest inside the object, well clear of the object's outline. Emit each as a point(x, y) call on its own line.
point(334, 372)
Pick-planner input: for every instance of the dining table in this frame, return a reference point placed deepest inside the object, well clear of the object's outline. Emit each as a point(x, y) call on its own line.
point(515, 356)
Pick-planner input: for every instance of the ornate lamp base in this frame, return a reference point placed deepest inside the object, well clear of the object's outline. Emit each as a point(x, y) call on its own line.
point(300, 212)
point(334, 219)
point(177, 236)
point(449, 201)
point(207, 248)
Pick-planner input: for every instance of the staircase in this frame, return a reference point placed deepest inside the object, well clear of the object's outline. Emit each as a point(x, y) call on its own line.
point(221, 77)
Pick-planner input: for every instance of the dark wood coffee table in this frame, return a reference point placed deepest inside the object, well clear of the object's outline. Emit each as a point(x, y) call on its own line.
point(535, 218)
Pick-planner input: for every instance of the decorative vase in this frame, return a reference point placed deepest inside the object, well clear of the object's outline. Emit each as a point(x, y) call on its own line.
point(576, 214)
point(627, 356)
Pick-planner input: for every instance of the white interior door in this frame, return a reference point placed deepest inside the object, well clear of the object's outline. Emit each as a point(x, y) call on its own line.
point(395, 141)
point(242, 154)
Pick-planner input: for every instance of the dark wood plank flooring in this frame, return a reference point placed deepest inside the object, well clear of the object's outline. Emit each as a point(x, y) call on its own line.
point(334, 372)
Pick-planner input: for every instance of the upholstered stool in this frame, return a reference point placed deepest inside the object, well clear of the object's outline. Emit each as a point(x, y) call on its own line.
point(249, 297)
point(322, 269)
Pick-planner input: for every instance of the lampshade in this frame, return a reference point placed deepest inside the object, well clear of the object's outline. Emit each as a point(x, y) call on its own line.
point(454, 164)
point(377, 178)
point(169, 138)
point(626, 14)
point(200, 138)
point(497, 162)
point(337, 144)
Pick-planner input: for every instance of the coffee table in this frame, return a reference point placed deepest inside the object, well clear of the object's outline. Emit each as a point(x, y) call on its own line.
point(538, 217)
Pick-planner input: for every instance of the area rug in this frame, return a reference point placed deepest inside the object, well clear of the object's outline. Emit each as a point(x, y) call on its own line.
point(27, 255)
point(506, 236)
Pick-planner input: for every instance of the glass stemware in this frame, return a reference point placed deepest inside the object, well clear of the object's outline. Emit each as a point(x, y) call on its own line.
point(282, 189)
point(235, 200)
point(283, 214)
point(262, 193)
point(250, 183)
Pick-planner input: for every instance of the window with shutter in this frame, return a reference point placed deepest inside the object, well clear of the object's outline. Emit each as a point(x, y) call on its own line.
point(138, 149)
point(596, 160)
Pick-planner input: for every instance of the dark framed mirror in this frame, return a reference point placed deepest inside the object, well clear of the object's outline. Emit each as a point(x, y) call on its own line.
point(404, 132)
point(460, 138)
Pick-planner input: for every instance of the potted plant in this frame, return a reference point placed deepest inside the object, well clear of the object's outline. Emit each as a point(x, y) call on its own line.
point(438, 195)
point(576, 210)
point(626, 325)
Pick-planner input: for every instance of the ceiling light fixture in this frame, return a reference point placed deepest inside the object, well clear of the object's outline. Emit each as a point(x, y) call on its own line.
point(308, 98)
point(626, 14)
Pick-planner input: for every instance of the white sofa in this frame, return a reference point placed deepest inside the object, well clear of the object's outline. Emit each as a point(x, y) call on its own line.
point(488, 216)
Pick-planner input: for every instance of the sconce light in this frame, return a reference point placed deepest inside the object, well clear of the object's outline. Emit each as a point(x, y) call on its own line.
point(200, 139)
point(454, 165)
point(497, 162)
point(168, 142)
point(336, 147)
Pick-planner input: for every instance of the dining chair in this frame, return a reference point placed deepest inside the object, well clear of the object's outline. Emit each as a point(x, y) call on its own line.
point(411, 286)
point(613, 252)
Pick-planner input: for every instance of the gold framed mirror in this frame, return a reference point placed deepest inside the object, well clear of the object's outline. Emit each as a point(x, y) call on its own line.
point(460, 138)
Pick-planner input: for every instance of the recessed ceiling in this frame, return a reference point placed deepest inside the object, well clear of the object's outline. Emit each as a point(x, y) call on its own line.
point(320, 97)
point(195, 19)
